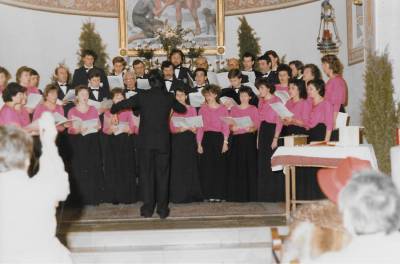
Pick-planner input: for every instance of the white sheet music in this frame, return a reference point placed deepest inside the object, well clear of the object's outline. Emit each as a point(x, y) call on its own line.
point(281, 110)
point(223, 80)
point(212, 78)
point(239, 122)
point(143, 84)
point(251, 75)
point(341, 120)
point(94, 103)
point(196, 99)
point(33, 100)
point(228, 102)
point(115, 82)
point(90, 125)
point(70, 96)
point(187, 122)
point(121, 127)
point(253, 88)
point(283, 95)
point(136, 120)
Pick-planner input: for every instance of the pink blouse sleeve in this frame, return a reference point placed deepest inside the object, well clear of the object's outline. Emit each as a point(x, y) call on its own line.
point(225, 126)
point(255, 117)
point(71, 129)
point(38, 112)
point(329, 117)
point(200, 131)
point(131, 123)
point(107, 123)
point(306, 112)
point(8, 117)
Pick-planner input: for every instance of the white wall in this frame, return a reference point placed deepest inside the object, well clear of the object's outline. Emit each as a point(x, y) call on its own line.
point(292, 32)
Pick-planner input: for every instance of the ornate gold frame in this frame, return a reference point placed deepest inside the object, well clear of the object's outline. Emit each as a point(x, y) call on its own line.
point(357, 54)
point(220, 28)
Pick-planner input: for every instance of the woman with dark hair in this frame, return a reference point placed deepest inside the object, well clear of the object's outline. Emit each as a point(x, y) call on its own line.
point(242, 156)
point(5, 76)
point(13, 112)
point(311, 72)
point(212, 142)
point(297, 69)
point(270, 184)
point(274, 59)
point(184, 182)
point(118, 156)
point(299, 106)
point(87, 172)
point(284, 75)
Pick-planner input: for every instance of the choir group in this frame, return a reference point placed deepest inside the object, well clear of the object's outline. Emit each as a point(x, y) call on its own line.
point(226, 158)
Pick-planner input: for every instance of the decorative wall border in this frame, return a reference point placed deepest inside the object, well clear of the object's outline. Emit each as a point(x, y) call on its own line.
point(110, 8)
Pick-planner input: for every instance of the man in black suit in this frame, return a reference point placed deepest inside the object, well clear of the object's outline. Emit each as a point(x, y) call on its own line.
point(181, 73)
point(81, 74)
point(265, 67)
point(140, 69)
point(155, 106)
point(235, 78)
point(62, 75)
point(171, 82)
point(97, 91)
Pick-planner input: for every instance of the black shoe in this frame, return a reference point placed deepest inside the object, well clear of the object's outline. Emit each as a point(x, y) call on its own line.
point(146, 214)
point(164, 214)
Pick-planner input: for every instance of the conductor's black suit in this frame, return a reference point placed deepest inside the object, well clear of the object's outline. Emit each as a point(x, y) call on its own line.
point(155, 106)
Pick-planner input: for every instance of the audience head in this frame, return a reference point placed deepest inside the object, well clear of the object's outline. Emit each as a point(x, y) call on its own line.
point(370, 203)
point(211, 93)
point(130, 80)
point(297, 89)
point(139, 68)
point(311, 72)
point(233, 63)
point(284, 73)
point(14, 92)
point(245, 95)
point(62, 74)
point(331, 65)
point(117, 95)
point(94, 76)
point(201, 62)
point(156, 80)
point(264, 87)
point(200, 76)
point(119, 65)
point(297, 68)
point(264, 63)
point(50, 93)
point(23, 76)
point(167, 69)
point(35, 78)
point(248, 61)
point(316, 89)
point(235, 78)
point(5, 76)
point(274, 58)
point(16, 149)
point(181, 95)
point(82, 94)
point(88, 57)
point(176, 57)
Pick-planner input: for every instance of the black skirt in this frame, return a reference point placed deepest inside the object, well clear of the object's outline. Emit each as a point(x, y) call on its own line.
point(293, 130)
point(310, 189)
point(184, 181)
point(270, 184)
point(119, 169)
point(213, 166)
point(86, 178)
point(242, 168)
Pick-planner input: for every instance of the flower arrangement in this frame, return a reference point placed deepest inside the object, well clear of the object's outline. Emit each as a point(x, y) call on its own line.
point(146, 53)
point(172, 38)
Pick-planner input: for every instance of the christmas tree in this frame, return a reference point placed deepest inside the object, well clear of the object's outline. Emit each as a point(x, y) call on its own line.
point(248, 42)
point(378, 109)
point(91, 40)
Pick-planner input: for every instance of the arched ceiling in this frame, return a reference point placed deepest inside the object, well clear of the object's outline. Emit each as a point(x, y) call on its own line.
point(109, 8)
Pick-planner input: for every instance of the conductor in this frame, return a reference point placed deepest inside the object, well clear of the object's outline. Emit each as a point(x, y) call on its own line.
point(155, 106)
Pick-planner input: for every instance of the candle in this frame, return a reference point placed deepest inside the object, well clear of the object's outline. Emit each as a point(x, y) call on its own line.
point(395, 164)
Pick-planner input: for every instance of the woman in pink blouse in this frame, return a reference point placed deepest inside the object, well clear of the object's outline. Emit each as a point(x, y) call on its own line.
point(212, 141)
point(119, 155)
point(284, 75)
point(242, 156)
point(184, 181)
point(270, 185)
point(320, 123)
point(86, 160)
point(12, 112)
point(5, 76)
point(299, 106)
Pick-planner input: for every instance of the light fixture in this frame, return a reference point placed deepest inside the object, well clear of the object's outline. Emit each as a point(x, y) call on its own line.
point(327, 25)
point(358, 2)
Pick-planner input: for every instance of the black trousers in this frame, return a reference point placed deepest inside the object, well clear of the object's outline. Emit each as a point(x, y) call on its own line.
point(154, 180)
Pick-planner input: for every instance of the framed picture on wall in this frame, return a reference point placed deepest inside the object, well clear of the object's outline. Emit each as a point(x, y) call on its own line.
point(360, 30)
point(142, 21)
